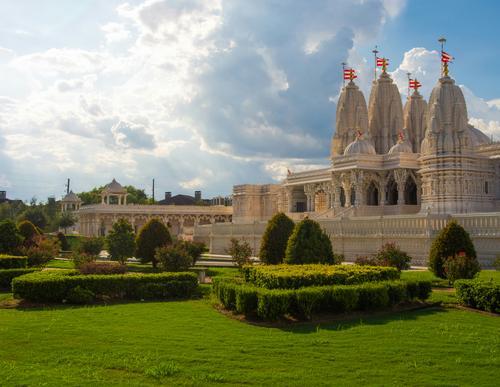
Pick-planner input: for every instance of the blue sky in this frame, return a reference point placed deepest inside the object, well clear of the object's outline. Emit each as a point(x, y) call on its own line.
point(208, 94)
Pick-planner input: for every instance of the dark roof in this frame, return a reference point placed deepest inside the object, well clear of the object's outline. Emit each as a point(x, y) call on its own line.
point(179, 200)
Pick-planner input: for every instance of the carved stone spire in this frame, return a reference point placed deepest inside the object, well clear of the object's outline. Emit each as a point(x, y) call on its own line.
point(414, 119)
point(352, 116)
point(385, 113)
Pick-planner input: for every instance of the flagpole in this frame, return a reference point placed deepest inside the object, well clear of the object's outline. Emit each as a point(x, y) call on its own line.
point(444, 65)
point(409, 75)
point(343, 73)
point(375, 52)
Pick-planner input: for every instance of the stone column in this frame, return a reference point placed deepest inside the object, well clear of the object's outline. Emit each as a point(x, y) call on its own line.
point(125, 199)
point(400, 177)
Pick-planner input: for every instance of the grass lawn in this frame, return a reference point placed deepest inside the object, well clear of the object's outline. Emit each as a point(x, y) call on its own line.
point(190, 343)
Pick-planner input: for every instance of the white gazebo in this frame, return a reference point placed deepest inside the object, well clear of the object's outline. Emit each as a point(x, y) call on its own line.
point(114, 189)
point(70, 202)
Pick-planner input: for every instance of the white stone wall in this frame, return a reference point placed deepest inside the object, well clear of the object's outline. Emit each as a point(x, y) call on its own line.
point(365, 235)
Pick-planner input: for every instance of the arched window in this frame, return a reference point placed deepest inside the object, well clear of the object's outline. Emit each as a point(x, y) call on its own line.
point(410, 191)
point(353, 196)
point(392, 192)
point(342, 197)
point(372, 195)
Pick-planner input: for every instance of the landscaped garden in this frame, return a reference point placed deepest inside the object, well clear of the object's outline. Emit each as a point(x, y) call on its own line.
point(299, 319)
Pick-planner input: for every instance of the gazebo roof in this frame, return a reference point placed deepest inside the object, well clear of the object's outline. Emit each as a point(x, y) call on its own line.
point(114, 188)
point(71, 197)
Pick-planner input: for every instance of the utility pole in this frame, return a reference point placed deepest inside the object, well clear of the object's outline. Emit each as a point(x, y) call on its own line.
point(67, 186)
point(153, 190)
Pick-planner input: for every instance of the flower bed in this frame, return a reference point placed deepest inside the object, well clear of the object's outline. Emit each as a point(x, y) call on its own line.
point(60, 286)
point(271, 304)
point(297, 276)
point(479, 294)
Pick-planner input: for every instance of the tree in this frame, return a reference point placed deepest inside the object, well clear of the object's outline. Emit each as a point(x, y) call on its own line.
point(35, 215)
point(240, 251)
point(10, 238)
point(121, 241)
point(308, 244)
point(66, 220)
point(63, 242)
point(273, 245)
point(451, 241)
point(91, 246)
point(29, 232)
point(391, 255)
point(174, 258)
point(135, 195)
point(152, 235)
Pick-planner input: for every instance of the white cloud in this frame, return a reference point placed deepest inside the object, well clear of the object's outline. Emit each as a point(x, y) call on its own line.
point(115, 32)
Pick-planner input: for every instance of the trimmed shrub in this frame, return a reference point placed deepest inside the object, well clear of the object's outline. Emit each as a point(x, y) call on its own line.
point(91, 246)
point(451, 240)
point(391, 255)
point(173, 258)
point(80, 259)
point(275, 238)
point(121, 241)
point(55, 286)
point(95, 267)
point(484, 295)
point(240, 251)
point(39, 255)
point(63, 241)
point(29, 233)
point(297, 276)
point(7, 275)
point(460, 267)
point(194, 249)
point(304, 302)
point(13, 262)
point(10, 238)
point(366, 260)
point(308, 244)
point(152, 235)
point(79, 295)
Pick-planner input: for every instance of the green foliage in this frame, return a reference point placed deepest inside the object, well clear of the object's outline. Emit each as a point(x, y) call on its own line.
point(240, 251)
point(152, 235)
point(297, 276)
point(91, 246)
point(391, 255)
point(451, 240)
point(79, 295)
point(496, 263)
point(56, 286)
point(95, 267)
point(11, 210)
point(36, 215)
point(39, 255)
point(162, 370)
point(135, 195)
point(29, 232)
point(194, 249)
point(10, 238)
point(460, 267)
point(66, 220)
point(484, 295)
point(13, 262)
point(275, 238)
point(80, 259)
point(7, 275)
point(63, 241)
point(273, 304)
point(308, 244)
point(174, 258)
point(121, 241)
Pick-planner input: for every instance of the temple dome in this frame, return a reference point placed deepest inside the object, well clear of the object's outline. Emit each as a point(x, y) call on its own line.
point(402, 146)
point(114, 188)
point(360, 146)
point(414, 119)
point(351, 116)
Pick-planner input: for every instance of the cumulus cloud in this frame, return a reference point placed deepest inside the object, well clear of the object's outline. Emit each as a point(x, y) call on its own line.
point(131, 135)
point(115, 32)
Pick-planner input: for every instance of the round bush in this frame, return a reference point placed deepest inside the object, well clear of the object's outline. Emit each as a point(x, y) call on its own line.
point(10, 238)
point(152, 235)
point(273, 245)
point(451, 240)
point(174, 258)
point(29, 232)
point(308, 244)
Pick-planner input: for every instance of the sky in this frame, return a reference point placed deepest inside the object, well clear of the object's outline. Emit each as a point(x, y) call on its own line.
point(203, 95)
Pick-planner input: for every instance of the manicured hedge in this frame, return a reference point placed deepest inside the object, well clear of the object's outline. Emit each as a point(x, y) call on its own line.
point(297, 276)
point(271, 304)
point(13, 262)
point(7, 275)
point(484, 295)
point(57, 286)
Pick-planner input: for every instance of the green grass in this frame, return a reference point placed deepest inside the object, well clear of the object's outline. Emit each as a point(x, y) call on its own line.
point(59, 264)
point(190, 343)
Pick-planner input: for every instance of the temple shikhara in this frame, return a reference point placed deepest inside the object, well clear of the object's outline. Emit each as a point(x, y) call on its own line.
point(397, 173)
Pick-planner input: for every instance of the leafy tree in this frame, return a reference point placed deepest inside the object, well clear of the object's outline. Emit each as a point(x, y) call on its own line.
point(174, 258)
point(66, 220)
point(135, 195)
point(91, 197)
point(35, 215)
point(152, 235)
point(308, 244)
point(194, 249)
point(29, 232)
point(451, 240)
point(11, 210)
point(273, 245)
point(240, 251)
point(121, 241)
point(460, 266)
point(91, 246)
point(391, 255)
point(10, 238)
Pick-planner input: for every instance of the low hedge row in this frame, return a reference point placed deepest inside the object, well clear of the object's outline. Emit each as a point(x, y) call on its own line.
point(298, 276)
point(6, 276)
point(271, 304)
point(484, 295)
point(13, 262)
point(58, 286)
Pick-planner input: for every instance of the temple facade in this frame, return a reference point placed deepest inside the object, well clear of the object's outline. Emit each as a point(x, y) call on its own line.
point(394, 169)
